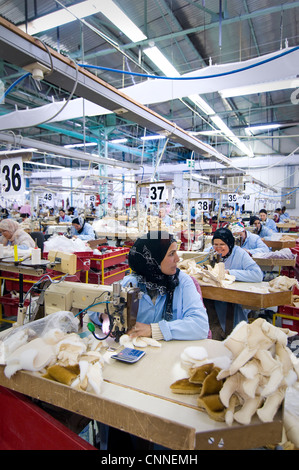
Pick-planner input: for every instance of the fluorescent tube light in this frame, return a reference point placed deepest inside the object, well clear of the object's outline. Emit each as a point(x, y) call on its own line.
point(202, 104)
point(153, 137)
point(121, 20)
point(118, 141)
point(260, 88)
point(263, 127)
point(156, 56)
point(16, 152)
point(87, 144)
point(44, 164)
point(62, 16)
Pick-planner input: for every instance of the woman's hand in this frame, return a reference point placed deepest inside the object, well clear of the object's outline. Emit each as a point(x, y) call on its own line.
point(140, 329)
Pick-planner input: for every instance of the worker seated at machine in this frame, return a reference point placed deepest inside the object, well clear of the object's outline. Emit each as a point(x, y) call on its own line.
point(82, 229)
point(63, 217)
point(260, 229)
point(13, 234)
point(239, 264)
point(166, 219)
point(250, 242)
point(170, 306)
point(269, 223)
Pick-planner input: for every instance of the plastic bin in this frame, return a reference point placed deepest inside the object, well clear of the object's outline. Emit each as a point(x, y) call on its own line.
point(83, 259)
point(113, 274)
point(11, 305)
point(12, 279)
point(290, 311)
point(105, 260)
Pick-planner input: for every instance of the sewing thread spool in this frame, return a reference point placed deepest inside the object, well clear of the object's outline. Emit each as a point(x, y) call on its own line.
point(36, 256)
point(15, 250)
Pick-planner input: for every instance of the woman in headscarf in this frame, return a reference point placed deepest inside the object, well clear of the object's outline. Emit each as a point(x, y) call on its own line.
point(259, 229)
point(13, 234)
point(170, 307)
point(82, 229)
point(238, 263)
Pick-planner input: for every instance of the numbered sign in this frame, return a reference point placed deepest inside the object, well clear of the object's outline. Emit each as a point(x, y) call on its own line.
point(232, 198)
point(202, 205)
point(157, 192)
point(48, 199)
point(12, 177)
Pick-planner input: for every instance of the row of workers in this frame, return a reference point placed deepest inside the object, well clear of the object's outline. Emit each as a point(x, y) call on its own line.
point(12, 233)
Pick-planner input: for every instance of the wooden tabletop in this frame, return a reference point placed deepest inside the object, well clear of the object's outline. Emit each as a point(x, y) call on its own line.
point(136, 398)
point(280, 244)
point(247, 294)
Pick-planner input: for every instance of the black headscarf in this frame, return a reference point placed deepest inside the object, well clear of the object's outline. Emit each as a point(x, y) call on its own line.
point(145, 258)
point(227, 237)
point(253, 218)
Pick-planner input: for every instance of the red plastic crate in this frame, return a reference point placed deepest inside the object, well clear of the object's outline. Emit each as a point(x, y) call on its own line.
point(114, 257)
point(289, 272)
point(83, 259)
point(12, 283)
point(110, 275)
point(292, 311)
point(11, 305)
point(295, 251)
point(290, 324)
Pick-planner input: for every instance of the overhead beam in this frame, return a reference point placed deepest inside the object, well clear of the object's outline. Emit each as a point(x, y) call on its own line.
point(22, 50)
point(23, 142)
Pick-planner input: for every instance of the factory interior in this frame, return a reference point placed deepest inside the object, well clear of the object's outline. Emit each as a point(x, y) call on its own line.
point(149, 226)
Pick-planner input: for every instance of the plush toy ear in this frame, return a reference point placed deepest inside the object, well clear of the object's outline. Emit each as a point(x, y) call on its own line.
point(213, 406)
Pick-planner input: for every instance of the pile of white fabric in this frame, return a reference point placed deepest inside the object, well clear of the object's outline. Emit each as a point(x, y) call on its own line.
point(66, 245)
point(207, 277)
point(52, 348)
point(285, 253)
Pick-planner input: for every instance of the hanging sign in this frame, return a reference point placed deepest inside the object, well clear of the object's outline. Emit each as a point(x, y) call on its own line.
point(190, 163)
point(232, 198)
point(202, 205)
point(12, 177)
point(157, 192)
point(48, 199)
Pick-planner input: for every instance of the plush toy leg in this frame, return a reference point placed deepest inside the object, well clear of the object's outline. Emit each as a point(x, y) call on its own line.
point(244, 415)
point(271, 405)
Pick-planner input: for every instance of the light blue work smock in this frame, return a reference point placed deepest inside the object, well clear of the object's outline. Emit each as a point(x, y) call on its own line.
point(245, 269)
point(86, 234)
point(254, 244)
point(265, 233)
point(66, 218)
point(271, 224)
point(190, 319)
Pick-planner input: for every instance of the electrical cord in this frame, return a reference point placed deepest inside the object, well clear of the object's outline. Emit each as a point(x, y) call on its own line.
point(223, 74)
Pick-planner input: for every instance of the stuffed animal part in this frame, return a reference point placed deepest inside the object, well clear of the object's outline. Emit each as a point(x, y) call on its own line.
point(63, 357)
point(262, 369)
point(252, 379)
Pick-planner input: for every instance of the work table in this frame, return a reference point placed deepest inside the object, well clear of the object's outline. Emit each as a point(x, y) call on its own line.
point(137, 399)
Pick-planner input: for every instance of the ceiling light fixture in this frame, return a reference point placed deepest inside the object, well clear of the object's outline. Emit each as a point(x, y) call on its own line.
point(44, 164)
point(16, 152)
point(153, 137)
point(260, 88)
point(263, 127)
point(118, 141)
point(61, 17)
point(79, 145)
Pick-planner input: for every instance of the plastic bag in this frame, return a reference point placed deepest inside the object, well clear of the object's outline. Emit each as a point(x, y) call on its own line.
point(62, 321)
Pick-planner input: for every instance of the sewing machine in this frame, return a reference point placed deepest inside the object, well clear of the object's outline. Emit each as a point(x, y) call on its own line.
point(214, 258)
point(121, 304)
